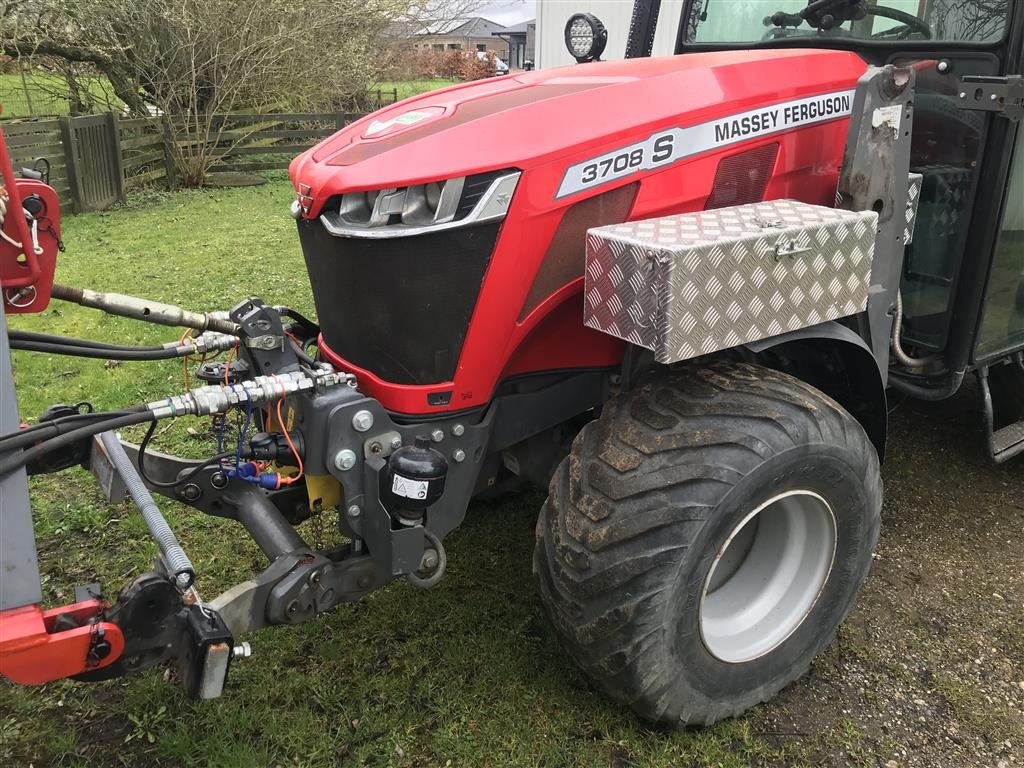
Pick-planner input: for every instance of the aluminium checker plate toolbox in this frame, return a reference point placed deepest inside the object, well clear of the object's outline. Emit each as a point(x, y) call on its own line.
point(688, 285)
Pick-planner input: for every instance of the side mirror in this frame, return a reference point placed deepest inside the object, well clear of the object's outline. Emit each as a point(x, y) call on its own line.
point(585, 37)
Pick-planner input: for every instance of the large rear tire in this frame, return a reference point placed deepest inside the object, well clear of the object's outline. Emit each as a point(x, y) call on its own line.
point(706, 537)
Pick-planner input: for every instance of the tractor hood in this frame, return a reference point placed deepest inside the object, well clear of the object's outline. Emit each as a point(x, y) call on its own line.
point(521, 121)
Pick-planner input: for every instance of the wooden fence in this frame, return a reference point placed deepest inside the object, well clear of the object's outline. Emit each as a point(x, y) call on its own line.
point(95, 160)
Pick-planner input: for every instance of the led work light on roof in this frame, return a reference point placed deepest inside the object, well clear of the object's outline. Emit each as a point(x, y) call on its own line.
point(585, 37)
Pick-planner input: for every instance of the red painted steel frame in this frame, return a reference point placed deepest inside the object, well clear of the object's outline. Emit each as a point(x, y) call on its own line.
point(23, 268)
point(31, 653)
point(544, 122)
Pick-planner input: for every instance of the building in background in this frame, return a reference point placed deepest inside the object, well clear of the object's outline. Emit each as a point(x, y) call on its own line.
point(472, 34)
point(521, 40)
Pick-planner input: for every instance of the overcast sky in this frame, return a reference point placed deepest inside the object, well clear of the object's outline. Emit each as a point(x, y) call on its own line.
point(509, 12)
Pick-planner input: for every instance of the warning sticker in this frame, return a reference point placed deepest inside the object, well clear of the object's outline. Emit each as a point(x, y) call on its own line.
point(410, 489)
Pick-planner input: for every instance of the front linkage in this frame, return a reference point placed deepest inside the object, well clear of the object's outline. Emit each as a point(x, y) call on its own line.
point(310, 441)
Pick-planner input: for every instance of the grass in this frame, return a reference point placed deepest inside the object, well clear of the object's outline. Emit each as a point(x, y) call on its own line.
point(44, 97)
point(464, 675)
point(46, 94)
point(407, 88)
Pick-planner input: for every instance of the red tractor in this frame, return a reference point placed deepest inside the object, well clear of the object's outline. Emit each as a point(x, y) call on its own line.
point(673, 290)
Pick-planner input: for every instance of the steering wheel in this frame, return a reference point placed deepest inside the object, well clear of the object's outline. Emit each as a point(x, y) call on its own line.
point(909, 22)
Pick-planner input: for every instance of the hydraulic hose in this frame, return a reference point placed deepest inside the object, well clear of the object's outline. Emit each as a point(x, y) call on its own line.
point(911, 363)
point(18, 460)
point(102, 353)
point(933, 394)
point(45, 430)
point(209, 342)
point(174, 556)
point(50, 338)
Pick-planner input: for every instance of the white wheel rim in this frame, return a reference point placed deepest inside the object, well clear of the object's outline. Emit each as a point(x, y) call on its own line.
point(767, 576)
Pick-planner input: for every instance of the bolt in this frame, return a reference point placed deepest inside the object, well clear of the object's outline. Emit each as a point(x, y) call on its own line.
point(293, 607)
point(218, 480)
point(376, 447)
point(459, 455)
point(458, 430)
point(191, 492)
point(943, 67)
point(363, 582)
point(354, 510)
point(314, 578)
point(429, 560)
point(396, 443)
point(241, 651)
point(345, 459)
point(963, 95)
point(362, 421)
point(437, 435)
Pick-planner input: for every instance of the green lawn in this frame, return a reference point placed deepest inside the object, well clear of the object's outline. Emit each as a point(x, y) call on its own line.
point(44, 94)
point(407, 88)
point(466, 674)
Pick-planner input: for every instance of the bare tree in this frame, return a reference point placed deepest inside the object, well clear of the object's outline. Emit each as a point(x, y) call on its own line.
point(978, 20)
point(194, 60)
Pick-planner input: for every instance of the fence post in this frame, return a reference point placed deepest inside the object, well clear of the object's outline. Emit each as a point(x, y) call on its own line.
point(115, 148)
point(169, 164)
point(67, 139)
point(339, 121)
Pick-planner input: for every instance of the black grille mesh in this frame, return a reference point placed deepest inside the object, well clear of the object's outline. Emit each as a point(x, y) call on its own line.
point(398, 307)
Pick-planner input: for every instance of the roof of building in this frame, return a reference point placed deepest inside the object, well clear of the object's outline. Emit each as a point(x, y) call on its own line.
point(475, 26)
point(517, 29)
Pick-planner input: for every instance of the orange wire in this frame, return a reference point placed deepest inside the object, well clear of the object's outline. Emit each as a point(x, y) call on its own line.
point(291, 445)
point(227, 365)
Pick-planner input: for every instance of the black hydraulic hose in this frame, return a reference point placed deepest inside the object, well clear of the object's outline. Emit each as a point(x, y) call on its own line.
point(920, 392)
point(45, 430)
point(18, 460)
point(141, 457)
point(49, 338)
point(102, 353)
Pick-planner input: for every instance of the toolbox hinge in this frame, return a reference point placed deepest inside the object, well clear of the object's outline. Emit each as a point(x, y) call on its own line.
point(985, 93)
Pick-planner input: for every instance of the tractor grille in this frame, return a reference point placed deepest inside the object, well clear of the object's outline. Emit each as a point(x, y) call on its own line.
point(398, 307)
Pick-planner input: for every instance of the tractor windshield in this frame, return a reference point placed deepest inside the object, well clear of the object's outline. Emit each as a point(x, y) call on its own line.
point(750, 21)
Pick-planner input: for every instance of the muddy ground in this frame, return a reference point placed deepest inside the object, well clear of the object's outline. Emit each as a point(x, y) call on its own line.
point(929, 669)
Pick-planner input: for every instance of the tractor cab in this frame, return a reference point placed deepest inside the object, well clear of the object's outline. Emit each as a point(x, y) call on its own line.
point(962, 285)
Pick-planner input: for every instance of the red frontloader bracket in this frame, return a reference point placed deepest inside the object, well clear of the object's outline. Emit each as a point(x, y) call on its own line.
point(35, 650)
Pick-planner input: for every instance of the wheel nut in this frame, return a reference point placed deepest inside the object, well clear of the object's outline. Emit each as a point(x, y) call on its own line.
point(345, 459)
point(458, 430)
point(437, 435)
point(362, 421)
point(459, 455)
point(219, 480)
point(396, 443)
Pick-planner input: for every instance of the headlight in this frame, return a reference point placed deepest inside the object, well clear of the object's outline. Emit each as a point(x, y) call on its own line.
point(413, 210)
point(585, 37)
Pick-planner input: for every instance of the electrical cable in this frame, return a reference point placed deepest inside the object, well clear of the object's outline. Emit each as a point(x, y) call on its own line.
point(18, 460)
point(140, 462)
point(291, 445)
